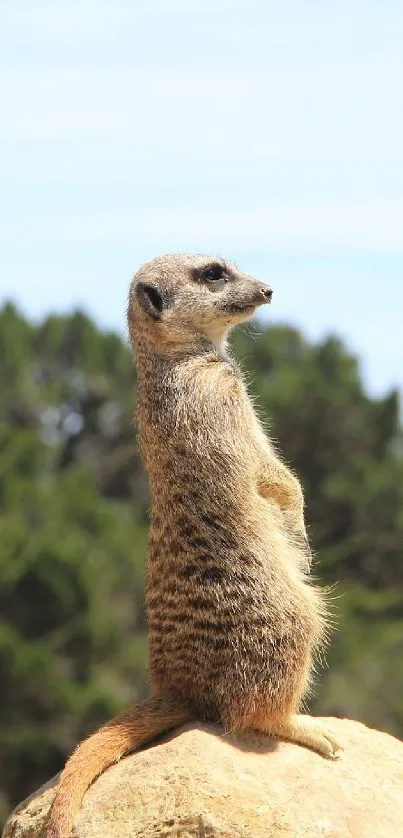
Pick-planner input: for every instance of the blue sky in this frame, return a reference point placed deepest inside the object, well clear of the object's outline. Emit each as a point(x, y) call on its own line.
point(267, 132)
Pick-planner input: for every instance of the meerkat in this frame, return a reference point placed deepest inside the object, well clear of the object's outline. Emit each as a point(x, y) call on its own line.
point(234, 623)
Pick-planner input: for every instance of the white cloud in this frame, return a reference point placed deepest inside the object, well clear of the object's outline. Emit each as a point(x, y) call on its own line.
point(307, 81)
point(278, 111)
point(368, 227)
point(259, 24)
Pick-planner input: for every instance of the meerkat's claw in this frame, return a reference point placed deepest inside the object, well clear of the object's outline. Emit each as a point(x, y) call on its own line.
point(334, 750)
point(324, 742)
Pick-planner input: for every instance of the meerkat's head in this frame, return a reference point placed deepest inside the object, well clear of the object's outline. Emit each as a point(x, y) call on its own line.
point(178, 298)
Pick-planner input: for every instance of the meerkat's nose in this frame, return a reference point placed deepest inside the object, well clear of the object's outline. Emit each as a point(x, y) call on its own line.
point(267, 292)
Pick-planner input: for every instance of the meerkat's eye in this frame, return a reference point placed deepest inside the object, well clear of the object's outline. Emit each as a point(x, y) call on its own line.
point(212, 273)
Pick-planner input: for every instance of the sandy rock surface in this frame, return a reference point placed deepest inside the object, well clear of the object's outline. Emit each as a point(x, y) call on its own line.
point(198, 782)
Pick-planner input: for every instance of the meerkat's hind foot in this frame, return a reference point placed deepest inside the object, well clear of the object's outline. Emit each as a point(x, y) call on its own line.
point(308, 731)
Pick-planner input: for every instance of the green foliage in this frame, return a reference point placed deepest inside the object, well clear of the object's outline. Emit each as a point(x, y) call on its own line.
point(73, 529)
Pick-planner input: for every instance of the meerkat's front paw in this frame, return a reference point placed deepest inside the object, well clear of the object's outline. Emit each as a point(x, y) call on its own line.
point(307, 731)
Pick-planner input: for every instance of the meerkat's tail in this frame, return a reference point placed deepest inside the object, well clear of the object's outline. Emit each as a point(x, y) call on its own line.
point(108, 745)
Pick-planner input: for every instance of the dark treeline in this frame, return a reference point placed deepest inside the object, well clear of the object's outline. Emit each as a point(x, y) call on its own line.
point(73, 529)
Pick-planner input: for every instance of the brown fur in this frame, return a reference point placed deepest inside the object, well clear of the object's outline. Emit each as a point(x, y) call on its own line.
point(233, 621)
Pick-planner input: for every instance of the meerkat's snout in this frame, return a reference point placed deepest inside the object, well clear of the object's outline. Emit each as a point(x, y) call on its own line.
point(260, 294)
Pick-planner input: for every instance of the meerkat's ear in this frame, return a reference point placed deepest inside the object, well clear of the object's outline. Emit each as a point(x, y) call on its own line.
point(150, 299)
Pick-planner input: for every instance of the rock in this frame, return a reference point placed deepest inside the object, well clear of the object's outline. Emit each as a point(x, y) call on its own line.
point(200, 783)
